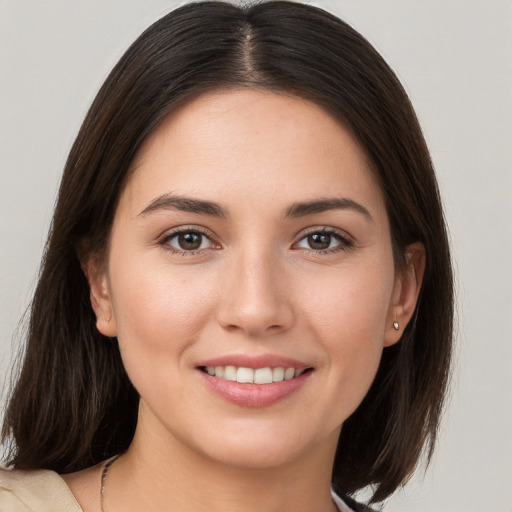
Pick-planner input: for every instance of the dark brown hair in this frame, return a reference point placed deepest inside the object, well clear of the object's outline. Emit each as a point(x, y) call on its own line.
point(73, 404)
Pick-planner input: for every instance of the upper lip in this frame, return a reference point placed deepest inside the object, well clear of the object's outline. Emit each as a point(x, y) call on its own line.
point(254, 362)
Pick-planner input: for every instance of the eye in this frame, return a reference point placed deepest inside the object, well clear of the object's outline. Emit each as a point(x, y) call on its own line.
point(324, 240)
point(187, 241)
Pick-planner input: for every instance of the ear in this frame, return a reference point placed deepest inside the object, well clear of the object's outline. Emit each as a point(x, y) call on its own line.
point(100, 296)
point(405, 293)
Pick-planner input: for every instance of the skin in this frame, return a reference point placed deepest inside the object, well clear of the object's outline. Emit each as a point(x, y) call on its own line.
point(256, 285)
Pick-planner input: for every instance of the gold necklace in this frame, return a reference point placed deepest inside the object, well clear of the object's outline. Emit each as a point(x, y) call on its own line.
point(104, 472)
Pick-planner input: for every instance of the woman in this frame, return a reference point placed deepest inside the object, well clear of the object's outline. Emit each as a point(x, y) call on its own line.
point(246, 297)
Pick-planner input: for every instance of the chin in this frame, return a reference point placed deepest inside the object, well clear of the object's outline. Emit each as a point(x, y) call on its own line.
point(272, 444)
point(256, 456)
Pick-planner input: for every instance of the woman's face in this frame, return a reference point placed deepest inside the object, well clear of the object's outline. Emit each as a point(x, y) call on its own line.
point(251, 242)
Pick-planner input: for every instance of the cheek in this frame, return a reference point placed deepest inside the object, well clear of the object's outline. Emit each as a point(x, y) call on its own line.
point(350, 319)
point(159, 312)
point(351, 301)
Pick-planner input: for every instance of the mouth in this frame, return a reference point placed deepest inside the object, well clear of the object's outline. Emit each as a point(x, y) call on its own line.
point(254, 381)
point(259, 376)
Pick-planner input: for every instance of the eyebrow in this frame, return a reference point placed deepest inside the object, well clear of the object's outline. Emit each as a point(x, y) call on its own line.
point(324, 205)
point(296, 210)
point(184, 204)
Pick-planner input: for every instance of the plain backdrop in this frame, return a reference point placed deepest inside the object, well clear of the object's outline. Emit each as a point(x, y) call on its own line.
point(455, 60)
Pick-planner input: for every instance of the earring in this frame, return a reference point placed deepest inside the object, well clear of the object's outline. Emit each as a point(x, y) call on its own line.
point(396, 326)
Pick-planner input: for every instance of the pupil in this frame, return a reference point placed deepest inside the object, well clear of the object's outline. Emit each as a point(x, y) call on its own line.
point(189, 241)
point(319, 241)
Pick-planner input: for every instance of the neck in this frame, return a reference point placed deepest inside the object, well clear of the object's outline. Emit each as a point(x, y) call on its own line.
point(160, 476)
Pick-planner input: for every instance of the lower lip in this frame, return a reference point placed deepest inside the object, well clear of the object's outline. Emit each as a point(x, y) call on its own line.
point(253, 395)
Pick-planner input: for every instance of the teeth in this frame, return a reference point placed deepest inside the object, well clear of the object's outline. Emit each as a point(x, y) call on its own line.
point(289, 373)
point(277, 374)
point(245, 375)
point(230, 373)
point(265, 375)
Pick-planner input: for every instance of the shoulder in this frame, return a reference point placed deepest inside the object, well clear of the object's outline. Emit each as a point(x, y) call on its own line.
point(35, 491)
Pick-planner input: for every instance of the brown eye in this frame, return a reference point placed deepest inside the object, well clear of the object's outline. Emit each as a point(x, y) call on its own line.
point(188, 241)
point(324, 241)
point(319, 241)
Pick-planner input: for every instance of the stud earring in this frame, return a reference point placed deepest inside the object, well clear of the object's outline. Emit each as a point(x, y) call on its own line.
point(396, 326)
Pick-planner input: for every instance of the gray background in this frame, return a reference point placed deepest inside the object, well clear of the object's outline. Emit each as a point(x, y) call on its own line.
point(455, 59)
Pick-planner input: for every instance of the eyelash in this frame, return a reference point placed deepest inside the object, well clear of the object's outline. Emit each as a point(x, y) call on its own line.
point(345, 243)
point(166, 239)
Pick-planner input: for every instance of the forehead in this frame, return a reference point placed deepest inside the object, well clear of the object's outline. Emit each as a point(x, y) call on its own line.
point(244, 143)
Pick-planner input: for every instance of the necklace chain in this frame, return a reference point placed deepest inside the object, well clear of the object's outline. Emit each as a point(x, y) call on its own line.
point(104, 473)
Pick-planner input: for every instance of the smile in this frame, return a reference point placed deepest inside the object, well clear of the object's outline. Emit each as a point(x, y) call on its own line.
point(266, 375)
point(254, 381)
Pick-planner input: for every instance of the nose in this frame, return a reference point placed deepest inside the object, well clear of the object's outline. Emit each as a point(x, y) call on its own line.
point(255, 299)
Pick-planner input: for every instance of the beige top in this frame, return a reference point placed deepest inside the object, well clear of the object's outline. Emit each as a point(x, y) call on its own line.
point(35, 491)
point(45, 491)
